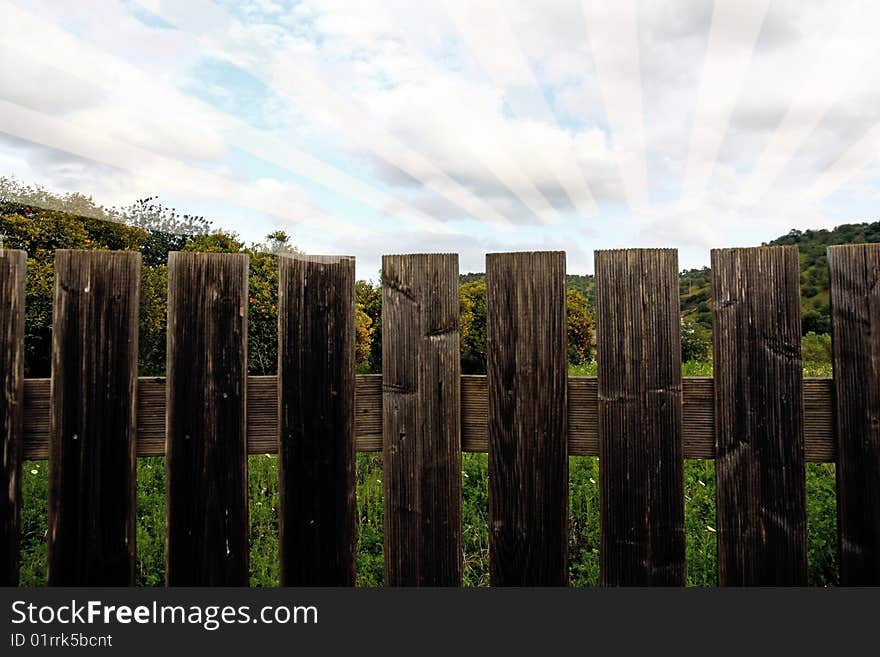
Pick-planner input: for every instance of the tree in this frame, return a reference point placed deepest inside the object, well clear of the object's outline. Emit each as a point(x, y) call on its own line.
point(29, 222)
point(816, 347)
point(368, 299)
point(151, 228)
point(278, 243)
point(363, 328)
point(167, 230)
point(695, 343)
point(580, 328)
point(16, 193)
point(472, 327)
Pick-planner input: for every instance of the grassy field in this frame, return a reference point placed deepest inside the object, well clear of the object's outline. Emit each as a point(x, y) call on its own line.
point(583, 507)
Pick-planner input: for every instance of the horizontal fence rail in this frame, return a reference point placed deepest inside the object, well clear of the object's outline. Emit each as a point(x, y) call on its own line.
point(698, 423)
point(758, 417)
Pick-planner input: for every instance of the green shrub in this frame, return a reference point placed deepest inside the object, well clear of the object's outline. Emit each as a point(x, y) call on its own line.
point(816, 347)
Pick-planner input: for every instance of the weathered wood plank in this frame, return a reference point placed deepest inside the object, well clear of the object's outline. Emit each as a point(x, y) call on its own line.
point(421, 373)
point(583, 432)
point(316, 394)
point(855, 318)
point(13, 265)
point(92, 432)
point(206, 442)
point(528, 451)
point(641, 456)
point(760, 478)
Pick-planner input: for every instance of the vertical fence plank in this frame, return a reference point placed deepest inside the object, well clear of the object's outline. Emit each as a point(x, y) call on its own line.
point(421, 374)
point(12, 274)
point(316, 388)
point(92, 474)
point(640, 418)
point(206, 443)
point(855, 317)
point(759, 423)
point(528, 447)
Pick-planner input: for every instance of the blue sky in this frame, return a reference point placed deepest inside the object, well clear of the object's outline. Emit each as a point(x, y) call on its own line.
point(451, 125)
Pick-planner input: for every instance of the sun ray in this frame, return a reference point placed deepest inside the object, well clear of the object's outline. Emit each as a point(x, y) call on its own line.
point(858, 156)
point(294, 76)
point(614, 40)
point(84, 61)
point(736, 25)
point(487, 32)
point(173, 175)
point(853, 43)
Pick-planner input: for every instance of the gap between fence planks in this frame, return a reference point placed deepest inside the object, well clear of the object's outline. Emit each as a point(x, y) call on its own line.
point(583, 439)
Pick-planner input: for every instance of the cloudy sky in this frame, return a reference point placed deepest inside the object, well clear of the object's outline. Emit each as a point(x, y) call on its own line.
point(392, 126)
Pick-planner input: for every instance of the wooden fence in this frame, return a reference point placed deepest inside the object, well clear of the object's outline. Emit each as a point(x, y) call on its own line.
point(758, 418)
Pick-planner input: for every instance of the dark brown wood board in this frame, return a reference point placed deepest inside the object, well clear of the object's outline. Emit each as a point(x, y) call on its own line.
point(641, 454)
point(206, 439)
point(316, 410)
point(421, 377)
point(759, 417)
point(93, 424)
point(526, 346)
point(855, 319)
point(13, 265)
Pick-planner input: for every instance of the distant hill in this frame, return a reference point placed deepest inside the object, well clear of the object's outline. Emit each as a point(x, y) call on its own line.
point(815, 309)
point(583, 284)
point(696, 288)
point(696, 284)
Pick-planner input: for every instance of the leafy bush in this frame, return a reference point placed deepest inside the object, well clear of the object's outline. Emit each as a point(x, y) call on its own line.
point(816, 347)
point(472, 327)
point(580, 328)
point(696, 342)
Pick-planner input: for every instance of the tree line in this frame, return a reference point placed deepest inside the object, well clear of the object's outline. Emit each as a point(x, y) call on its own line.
point(37, 221)
point(148, 226)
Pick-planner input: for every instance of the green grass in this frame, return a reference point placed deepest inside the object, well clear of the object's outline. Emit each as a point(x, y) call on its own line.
point(703, 368)
point(583, 509)
point(691, 368)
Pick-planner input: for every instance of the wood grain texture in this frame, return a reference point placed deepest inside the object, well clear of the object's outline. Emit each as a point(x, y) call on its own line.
point(759, 419)
point(583, 429)
point(206, 440)
point(316, 409)
point(526, 347)
point(421, 375)
point(13, 265)
point(92, 423)
point(855, 318)
point(641, 456)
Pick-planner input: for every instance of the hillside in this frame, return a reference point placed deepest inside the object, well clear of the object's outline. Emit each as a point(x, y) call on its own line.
point(581, 283)
point(815, 308)
point(696, 284)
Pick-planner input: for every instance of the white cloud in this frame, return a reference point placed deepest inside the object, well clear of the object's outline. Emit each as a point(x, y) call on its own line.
point(385, 103)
